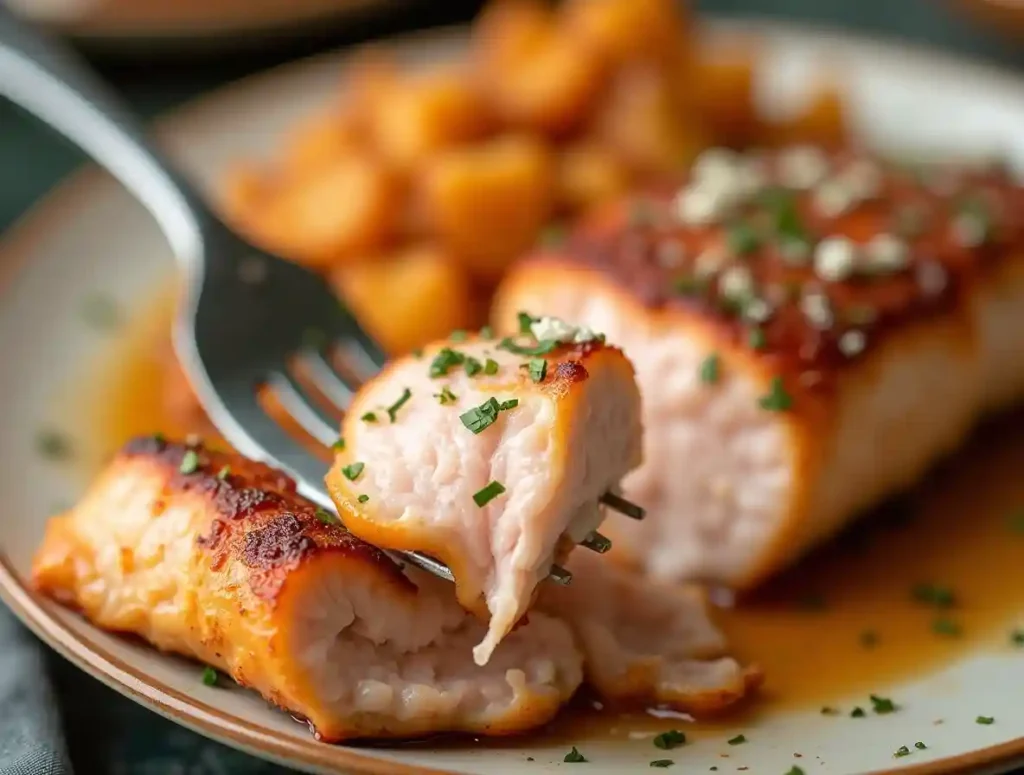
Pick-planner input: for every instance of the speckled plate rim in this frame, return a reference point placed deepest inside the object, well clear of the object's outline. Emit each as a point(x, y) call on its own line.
point(91, 657)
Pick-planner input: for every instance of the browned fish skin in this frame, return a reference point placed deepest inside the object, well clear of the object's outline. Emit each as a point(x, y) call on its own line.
point(209, 555)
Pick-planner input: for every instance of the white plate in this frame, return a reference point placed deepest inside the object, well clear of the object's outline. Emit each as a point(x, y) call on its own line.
point(91, 236)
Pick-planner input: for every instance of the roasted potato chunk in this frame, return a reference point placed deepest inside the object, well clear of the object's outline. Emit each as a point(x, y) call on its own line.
point(721, 90)
point(588, 174)
point(630, 30)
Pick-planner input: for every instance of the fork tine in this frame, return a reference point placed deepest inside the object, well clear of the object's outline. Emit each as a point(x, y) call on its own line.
point(302, 408)
point(596, 542)
point(560, 575)
point(325, 378)
point(363, 355)
point(623, 506)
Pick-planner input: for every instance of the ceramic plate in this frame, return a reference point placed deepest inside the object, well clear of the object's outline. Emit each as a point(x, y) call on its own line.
point(91, 236)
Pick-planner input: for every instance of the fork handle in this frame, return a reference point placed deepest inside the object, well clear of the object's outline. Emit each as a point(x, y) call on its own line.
point(50, 81)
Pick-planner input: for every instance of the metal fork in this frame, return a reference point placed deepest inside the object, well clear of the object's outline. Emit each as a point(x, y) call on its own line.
point(247, 319)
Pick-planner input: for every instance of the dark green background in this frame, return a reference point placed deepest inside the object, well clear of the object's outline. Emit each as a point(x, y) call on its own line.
point(107, 733)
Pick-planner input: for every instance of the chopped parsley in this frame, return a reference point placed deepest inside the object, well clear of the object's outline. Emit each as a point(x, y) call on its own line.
point(526, 322)
point(794, 770)
point(537, 369)
point(666, 741)
point(574, 756)
point(662, 763)
point(490, 367)
point(934, 595)
point(920, 746)
point(543, 347)
point(327, 517)
point(882, 705)
point(189, 462)
point(742, 239)
point(101, 312)
point(458, 336)
point(445, 360)
point(53, 445)
point(224, 473)
point(363, 498)
point(985, 720)
point(479, 418)
point(486, 332)
point(902, 751)
point(857, 713)
point(369, 417)
point(402, 399)
point(690, 286)
point(338, 445)
point(1017, 637)
point(487, 494)
point(738, 740)
point(353, 470)
point(777, 399)
point(446, 396)
point(209, 676)
point(473, 366)
point(757, 339)
point(709, 371)
point(947, 628)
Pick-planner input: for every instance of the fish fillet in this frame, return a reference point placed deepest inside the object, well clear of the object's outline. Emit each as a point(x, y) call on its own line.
point(212, 556)
point(490, 456)
point(810, 332)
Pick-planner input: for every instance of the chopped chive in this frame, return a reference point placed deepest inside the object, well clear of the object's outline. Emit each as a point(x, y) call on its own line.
point(574, 756)
point(985, 720)
point(662, 763)
point(537, 369)
point(742, 239)
point(543, 347)
point(882, 705)
point(486, 332)
point(1017, 637)
point(485, 495)
point(353, 470)
point(920, 746)
point(369, 417)
point(666, 741)
point(224, 473)
point(738, 740)
point(402, 399)
point(512, 403)
point(526, 322)
point(902, 751)
point(857, 713)
point(101, 312)
point(777, 399)
point(446, 396)
point(690, 286)
point(53, 445)
point(794, 770)
point(445, 360)
point(709, 371)
point(209, 676)
point(933, 594)
point(946, 627)
point(363, 498)
point(481, 417)
point(458, 336)
point(490, 367)
point(473, 366)
point(757, 339)
point(189, 462)
point(326, 517)
point(338, 445)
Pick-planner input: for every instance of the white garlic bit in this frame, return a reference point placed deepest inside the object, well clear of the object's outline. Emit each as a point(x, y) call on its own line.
point(835, 259)
point(852, 343)
point(736, 283)
point(802, 167)
point(817, 308)
point(886, 254)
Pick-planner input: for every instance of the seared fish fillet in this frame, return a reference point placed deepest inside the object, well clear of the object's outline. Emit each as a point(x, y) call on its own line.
point(810, 333)
point(646, 642)
point(490, 456)
point(215, 557)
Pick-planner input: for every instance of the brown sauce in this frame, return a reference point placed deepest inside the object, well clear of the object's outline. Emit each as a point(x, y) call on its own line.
point(839, 626)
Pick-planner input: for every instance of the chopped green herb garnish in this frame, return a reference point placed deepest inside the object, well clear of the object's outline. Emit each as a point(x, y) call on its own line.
point(486, 332)
point(363, 498)
point(920, 746)
point(473, 366)
point(445, 360)
point(827, 711)
point(485, 495)
point(458, 336)
point(189, 462)
point(543, 347)
point(742, 239)
point(777, 399)
point(537, 369)
point(869, 639)
point(481, 417)
point(690, 286)
point(709, 371)
point(526, 322)
point(946, 627)
point(402, 399)
point(338, 445)
point(446, 396)
point(933, 594)
point(794, 770)
point(353, 470)
point(53, 445)
point(882, 705)
point(224, 473)
point(1017, 637)
point(902, 751)
point(574, 756)
point(666, 741)
point(369, 417)
point(326, 517)
point(662, 763)
point(757, 339)
point(101, 312)
point(512, 403)
point(738, 740)
point(857, 713)
point(490, 367)
point(209, 676)
point(986, 720)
